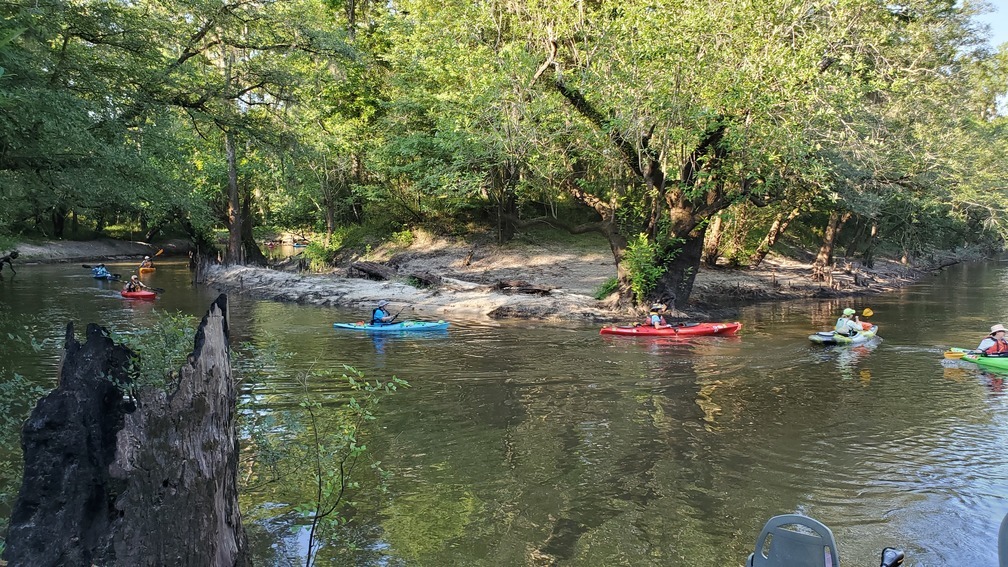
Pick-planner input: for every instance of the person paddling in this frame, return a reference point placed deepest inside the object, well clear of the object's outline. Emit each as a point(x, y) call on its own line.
point(994, 344)
point(100, 271)
point(656, 319)
point(134, 284)
point(380, 316)
point(846, 325)
point(147, 262)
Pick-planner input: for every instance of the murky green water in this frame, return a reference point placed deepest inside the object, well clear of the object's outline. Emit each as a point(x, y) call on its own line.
point(532, 444)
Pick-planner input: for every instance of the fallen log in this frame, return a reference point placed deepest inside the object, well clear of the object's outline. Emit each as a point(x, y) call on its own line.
point(373, 270)
point(520, 286)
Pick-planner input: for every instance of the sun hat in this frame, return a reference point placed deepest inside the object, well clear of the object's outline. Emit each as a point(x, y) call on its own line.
point(382, 303)
point(134, 277)
point(849, 311)
point(997, 328)
point(658, 307)
point(146, 257)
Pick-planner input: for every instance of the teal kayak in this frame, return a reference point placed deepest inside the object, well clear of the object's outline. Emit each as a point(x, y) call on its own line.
point(831, 338)
point(395, 327)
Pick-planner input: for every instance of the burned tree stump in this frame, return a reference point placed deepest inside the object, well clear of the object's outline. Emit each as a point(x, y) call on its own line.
point(107, 483)
point(64, 511)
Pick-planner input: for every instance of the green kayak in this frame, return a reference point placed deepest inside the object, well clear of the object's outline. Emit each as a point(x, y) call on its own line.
point(989, 362)
point(831, 338)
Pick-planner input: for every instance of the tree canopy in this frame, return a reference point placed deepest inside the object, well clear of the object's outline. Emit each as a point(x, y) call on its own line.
point(685, 132)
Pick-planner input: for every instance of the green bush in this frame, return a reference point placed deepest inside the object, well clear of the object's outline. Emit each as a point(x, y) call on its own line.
point(160, 348)
point(607, 287)
point(643, 265)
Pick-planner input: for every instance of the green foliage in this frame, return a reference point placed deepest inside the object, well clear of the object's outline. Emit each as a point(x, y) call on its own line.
point(644, 265)
point(320, 256)
point(17, 396)
point(403, 237)
point(160, 349)
point(607, 288)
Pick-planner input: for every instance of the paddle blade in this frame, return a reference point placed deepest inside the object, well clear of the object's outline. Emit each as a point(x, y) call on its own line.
point(88, 266)
point(867, 312)
point(160, 252)
point(954, 355)
point(157, 289)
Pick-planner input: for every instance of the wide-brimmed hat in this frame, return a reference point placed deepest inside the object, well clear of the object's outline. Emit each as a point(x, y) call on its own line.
point(849, 311)
point(382, 303)
point(997, 328)
point(658, 307)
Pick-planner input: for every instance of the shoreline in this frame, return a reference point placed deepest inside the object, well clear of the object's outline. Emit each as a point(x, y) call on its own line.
point(560, 279)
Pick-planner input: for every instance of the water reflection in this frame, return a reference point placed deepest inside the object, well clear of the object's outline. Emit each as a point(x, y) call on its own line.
point(523, 443)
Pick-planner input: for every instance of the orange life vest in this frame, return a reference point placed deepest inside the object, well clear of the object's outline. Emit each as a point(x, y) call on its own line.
point(1000, 346)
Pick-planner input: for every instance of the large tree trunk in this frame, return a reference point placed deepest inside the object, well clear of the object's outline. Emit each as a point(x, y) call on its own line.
point(824, 259)
point(712, 242)
point(110, 482)
point(778, 227)
point(676, 284)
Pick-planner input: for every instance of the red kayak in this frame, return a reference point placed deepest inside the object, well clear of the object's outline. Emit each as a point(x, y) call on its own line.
point(139, 294)
point(682, 330)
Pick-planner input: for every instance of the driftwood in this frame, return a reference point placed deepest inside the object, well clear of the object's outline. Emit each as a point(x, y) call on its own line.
point(373, 270)
point(112, 482)
point(426, 279)
point(520, 286)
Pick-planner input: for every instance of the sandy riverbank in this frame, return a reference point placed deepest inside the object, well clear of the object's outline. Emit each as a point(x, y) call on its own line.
point(571, 271)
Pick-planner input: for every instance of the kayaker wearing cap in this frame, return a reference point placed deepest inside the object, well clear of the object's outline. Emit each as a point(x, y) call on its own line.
point(846, 325)
point(380, 316)
point(134, 284)
point(147, 263)
point(994, 344)
point(656, 319)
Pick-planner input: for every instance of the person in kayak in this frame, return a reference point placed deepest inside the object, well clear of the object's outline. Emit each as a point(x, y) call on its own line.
point(134, 284)
point(380, 316)
point(846, 325)
point(656, 318)
point(100, 271)
point(147, 262)
point(994, 344)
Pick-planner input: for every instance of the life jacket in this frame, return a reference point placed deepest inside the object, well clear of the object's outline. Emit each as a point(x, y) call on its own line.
point(375, 320)
point(844, 328)
point(999, 348)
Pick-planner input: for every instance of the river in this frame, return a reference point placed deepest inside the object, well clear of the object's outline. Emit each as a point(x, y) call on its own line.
point(522, 443)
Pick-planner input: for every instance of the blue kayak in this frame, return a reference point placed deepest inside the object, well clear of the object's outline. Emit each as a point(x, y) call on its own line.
point(109, 277)
point(395, 327)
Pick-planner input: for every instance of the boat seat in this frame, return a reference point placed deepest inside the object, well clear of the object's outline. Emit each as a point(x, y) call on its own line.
point(780, 545)
point(1003, 543)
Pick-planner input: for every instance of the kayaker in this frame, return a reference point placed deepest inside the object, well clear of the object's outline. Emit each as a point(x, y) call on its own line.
point(134, 284)
point(656, 319)
point(380, 316)
point(147, 262)
point(994, 344)
point(100, 271)
point(846, 325)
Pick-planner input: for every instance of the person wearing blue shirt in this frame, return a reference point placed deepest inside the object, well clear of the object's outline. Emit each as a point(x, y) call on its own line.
point(100, 271)
point(656, 319)
point(380, 316)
